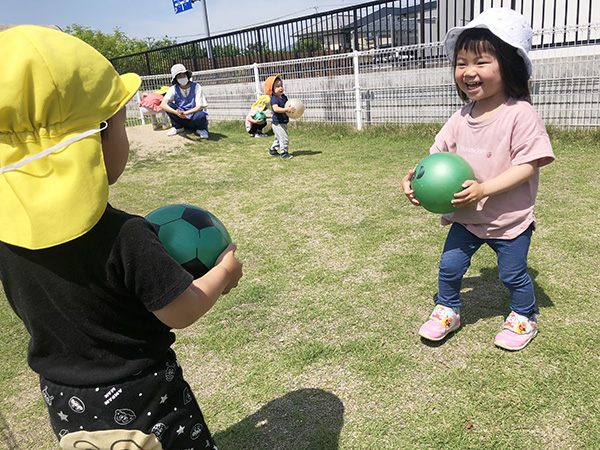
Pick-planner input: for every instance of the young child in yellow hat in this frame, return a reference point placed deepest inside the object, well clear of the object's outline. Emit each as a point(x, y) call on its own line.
point(150, 106)
point(95, 289)
point(255, 124)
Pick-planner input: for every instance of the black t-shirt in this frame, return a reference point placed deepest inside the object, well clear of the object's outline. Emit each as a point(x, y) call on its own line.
point(87, 303)
point(279, 117)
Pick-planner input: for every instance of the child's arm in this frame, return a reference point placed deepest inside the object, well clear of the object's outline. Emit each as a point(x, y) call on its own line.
point(279, 109)
point(251, 119)
point(507, 180)
point(203, 293)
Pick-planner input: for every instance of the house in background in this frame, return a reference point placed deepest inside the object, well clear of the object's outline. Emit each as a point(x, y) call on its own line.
point(393, 27)
point(409, 22)
point(381, 28)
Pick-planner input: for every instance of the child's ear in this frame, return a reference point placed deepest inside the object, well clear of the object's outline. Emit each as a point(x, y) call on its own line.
point(115, 146)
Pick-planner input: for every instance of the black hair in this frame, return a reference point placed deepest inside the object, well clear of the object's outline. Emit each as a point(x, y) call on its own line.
point(512, 66)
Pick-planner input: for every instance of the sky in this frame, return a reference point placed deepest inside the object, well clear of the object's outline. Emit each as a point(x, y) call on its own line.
point(156, 18)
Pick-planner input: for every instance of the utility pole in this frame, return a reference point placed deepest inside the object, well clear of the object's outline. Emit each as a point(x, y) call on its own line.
point(206, 26)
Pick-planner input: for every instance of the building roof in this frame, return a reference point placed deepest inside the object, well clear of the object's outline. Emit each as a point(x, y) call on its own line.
point(381, 18)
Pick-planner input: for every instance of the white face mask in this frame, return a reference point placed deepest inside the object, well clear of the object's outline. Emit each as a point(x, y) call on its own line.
point(183, 81)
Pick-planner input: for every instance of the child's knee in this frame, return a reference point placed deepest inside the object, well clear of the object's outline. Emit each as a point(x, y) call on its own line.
point(453, 264)
point(515, 279)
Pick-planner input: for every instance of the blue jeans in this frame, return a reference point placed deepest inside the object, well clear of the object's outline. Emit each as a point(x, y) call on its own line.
point(511, 254)
point(199, 120)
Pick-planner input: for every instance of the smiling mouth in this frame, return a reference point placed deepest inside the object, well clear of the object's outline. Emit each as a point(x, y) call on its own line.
point(472, 86)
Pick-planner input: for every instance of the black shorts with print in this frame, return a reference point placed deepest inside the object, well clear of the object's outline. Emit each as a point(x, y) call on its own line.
point(158, 400)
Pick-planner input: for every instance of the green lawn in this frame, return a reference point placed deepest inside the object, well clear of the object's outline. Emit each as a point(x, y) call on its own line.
point(318, 347)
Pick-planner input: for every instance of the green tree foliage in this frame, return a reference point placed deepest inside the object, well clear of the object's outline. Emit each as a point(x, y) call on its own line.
point(225, 50)
point(311, 44)
point(117, 43)
point(257, 49)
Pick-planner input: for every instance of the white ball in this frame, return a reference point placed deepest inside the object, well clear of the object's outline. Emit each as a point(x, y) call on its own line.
point(296, 103)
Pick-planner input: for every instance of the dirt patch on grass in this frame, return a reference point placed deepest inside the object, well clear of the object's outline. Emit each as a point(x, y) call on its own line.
point(144, 141)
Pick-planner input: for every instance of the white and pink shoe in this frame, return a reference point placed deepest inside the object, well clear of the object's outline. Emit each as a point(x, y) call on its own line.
point(442, 321)
point(517, 332)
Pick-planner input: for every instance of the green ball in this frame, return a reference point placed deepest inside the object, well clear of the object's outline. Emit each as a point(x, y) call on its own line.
point(437, 178)
point(192, 236)
point(260, 116)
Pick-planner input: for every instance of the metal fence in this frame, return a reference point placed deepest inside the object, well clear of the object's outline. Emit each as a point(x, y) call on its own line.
point(369, 26)
point(409, 84)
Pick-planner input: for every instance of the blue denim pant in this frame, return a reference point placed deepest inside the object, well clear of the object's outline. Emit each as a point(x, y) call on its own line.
point(199, 120)
point(511, 254)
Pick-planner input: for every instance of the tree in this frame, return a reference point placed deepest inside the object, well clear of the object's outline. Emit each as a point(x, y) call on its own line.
point(311, 44)
point(225, 50)
point(257, 49)
point(117, 43)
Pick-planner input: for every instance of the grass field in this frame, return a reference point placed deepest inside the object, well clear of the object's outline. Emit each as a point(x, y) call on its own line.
point(318, 347)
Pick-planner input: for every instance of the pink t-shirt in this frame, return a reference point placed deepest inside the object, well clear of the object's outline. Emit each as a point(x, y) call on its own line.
point(152, 101)
point(514, 135)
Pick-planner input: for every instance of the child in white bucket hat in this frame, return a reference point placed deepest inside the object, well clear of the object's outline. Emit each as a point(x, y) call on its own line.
point(94, 287)
point(505, 141)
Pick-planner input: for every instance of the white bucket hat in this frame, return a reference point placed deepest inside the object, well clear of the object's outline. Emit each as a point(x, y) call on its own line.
point(177, 69)
point(506, 24)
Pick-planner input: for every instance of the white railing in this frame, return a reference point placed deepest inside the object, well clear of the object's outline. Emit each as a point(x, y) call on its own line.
point(404, 85)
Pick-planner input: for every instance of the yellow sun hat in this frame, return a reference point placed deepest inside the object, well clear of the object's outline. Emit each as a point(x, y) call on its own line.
point(162, 91)
point(56, 92)
point(262, 103)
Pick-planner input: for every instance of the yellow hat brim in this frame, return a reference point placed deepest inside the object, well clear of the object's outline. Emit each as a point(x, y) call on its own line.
point(162, 91)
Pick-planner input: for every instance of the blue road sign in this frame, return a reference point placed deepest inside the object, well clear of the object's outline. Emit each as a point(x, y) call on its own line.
point(182, 5)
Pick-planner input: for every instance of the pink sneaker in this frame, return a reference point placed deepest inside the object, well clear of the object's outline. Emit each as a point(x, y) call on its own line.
point(442, 321)
point(516, 333)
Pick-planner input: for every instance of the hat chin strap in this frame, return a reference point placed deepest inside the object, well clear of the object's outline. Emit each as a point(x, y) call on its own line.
point(54, 148)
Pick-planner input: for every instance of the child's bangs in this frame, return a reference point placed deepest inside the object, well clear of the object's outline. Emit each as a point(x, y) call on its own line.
point(476, 40)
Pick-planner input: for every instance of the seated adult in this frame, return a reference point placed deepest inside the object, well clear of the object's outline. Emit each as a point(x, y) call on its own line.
point(185, 103)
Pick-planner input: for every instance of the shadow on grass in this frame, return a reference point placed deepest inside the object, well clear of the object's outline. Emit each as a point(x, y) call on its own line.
point(309, 419)
point(305, 153)
point(485, 296)
point(191, 136)
point(7, 438)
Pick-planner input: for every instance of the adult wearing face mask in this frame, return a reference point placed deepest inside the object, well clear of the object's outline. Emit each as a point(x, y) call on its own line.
point(185, 103)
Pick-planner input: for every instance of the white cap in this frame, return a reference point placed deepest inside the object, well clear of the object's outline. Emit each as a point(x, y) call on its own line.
point(506, 24)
